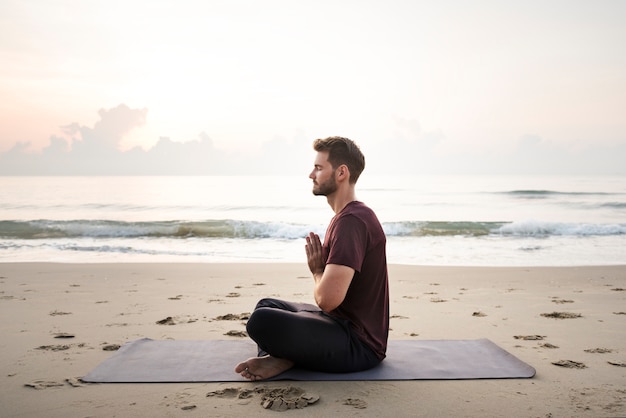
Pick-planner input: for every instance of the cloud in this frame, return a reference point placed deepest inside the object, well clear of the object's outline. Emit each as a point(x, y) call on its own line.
point(96, 151)
point(82, 150)
point(537, 155)
point(531, 154)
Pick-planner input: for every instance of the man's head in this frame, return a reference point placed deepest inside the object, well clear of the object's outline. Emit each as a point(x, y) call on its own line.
point(342, 151)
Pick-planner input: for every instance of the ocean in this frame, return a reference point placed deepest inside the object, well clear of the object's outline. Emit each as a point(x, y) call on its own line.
point(429, 220)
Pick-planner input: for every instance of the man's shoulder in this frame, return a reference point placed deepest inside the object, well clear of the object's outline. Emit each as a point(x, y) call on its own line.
point(356, 206)
point(358, 213)
point(359, 209)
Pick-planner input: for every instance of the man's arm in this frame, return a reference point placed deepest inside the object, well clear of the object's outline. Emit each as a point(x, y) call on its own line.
point(331, 281)
point(332, 286)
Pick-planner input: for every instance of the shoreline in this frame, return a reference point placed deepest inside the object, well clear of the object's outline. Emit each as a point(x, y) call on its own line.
point(103, 304)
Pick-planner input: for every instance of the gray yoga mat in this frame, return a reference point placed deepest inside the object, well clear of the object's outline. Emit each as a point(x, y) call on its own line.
point(147, 360)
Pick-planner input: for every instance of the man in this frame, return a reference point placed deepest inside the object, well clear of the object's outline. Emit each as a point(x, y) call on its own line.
point(347, 331)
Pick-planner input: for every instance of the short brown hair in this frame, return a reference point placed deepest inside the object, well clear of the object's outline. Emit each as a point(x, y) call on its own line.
point(342, 151)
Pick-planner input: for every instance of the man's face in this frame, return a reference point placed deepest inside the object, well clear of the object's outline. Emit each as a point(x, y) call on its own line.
point(323, 176)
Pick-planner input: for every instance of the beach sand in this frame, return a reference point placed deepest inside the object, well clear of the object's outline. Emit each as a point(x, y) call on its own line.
point(59, 321)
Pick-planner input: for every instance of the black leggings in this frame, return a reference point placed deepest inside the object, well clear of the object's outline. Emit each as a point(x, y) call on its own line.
point(309, 337)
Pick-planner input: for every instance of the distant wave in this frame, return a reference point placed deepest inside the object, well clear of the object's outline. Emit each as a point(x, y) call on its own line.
point(613, 205)
point(55, 229)
point(442, 228)
point(542, 194)
point(542, 229)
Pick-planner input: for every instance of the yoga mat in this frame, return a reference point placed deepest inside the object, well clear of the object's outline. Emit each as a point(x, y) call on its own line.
point(147, 360)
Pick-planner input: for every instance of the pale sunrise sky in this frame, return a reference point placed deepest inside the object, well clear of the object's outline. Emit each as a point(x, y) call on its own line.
point(497, 86)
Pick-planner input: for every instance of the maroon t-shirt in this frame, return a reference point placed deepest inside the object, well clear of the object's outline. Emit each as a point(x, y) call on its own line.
point(356, 239)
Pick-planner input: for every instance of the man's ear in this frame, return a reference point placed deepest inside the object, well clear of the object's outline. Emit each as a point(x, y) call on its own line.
point(343, 172)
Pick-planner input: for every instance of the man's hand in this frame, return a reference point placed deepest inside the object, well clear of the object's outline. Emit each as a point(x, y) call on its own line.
point(331, 281)
point(315, 255)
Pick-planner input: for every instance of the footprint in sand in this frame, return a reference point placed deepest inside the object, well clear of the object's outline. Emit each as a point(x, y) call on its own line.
point(570, 364)
point(529, 337)
point(233, 317)
point(548, 345)
point(43, 384)
point(561, 315)
point(562, 301)
point(167, 321)
point(276, 399)
point(234, 333)
point(8, 297)
point(174, 321)
point(57, 313)
point(598, 350)
point(59, 347)
point(356, 403)
point(231, 393)
point(188, 407)
point(282, 399)
point(111, 347)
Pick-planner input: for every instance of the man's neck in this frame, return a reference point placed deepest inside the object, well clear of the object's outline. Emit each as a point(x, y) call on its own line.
point(341, 198)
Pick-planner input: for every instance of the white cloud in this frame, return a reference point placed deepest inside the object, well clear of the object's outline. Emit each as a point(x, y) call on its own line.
point(97, 151)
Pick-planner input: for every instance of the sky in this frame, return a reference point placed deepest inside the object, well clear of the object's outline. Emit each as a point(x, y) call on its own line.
point(244, 87)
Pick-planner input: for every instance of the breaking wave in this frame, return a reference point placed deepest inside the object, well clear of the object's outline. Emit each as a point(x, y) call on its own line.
point(56, 229)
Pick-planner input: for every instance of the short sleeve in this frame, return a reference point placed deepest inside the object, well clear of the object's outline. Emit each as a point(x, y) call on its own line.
point(349, 243)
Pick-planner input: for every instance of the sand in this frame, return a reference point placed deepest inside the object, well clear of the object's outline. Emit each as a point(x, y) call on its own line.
point(59, 321)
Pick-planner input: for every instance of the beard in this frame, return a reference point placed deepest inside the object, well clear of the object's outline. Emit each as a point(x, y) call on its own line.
point(326, 188)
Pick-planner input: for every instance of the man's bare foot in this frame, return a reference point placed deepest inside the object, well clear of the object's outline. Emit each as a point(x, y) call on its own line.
point(259, 368)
